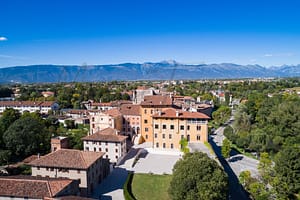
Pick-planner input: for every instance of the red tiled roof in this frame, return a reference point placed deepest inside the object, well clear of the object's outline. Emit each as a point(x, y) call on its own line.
point(129, 109)
point(76, 111)
point(27, 103)
point(171, 113)
point(31, 186)
point(113, 112)
point(101, 104)
point(157, 100)
point(106, 135)
point(68, 158)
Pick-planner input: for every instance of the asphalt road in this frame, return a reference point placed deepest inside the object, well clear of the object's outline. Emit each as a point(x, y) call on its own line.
point(233, 166)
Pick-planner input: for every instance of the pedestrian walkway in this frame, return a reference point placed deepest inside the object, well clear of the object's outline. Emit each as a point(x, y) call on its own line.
point(112, 186)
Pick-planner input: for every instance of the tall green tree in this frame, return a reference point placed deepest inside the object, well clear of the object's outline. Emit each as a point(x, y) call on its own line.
point(287, 168)
point(226, 148)
point(196, 176)
point(27, 136)
point(221, 115)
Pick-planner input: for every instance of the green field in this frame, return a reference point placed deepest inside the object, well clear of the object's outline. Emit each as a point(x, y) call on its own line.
point(148, 186)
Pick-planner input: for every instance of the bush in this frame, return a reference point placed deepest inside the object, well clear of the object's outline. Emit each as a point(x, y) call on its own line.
point(127, 187)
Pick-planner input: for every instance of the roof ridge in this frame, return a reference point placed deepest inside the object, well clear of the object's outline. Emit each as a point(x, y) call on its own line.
point(49, 188)
point(82, 157)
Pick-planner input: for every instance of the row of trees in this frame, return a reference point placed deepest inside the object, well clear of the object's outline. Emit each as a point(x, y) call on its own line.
point(270, 126)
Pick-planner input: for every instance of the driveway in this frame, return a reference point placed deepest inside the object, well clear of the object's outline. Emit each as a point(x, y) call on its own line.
point(155, 163)
point(112, 185)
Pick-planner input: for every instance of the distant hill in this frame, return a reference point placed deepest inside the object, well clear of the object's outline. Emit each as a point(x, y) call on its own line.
point(166, 70)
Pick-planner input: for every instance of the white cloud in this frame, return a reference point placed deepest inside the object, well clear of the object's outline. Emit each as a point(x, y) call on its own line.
point(5, 56)
point(286, 54)
point(3, 38)
point(268, 55)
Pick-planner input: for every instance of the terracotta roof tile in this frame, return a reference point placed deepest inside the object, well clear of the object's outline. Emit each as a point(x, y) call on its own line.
point(157, 100)
point(106, 135)
point(31, 186)
point(171, 113)
point(26, 103)
point(129, 109)
point(68, 158)
point(113, 112)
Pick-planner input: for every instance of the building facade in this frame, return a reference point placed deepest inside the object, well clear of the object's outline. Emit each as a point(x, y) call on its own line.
point(171, 125)
point(30, 106)
point(131, 119)
point(108, 119)
point(109, 141)
point(150, 106)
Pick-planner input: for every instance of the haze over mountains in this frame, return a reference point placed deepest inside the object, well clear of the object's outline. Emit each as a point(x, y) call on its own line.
point(166, 70)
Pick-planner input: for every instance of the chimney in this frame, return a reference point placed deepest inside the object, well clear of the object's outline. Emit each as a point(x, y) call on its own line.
point(177, 113)
point(38, 155)
point(159, 113)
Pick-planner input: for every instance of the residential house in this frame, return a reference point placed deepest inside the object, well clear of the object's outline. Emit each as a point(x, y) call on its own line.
point(30, 187)
point(88, 167)
point(42, 107)
point(131, 119)
point(172, 125)
point(101, 120)
point(109, 141)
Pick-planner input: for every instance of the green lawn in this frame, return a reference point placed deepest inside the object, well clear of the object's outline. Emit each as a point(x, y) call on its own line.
point(148, 186)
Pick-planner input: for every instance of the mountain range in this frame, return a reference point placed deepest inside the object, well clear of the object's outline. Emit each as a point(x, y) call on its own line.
point(165, 70)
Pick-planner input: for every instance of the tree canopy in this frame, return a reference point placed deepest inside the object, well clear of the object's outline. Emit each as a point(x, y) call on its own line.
point(196, 176)
point(27, 136)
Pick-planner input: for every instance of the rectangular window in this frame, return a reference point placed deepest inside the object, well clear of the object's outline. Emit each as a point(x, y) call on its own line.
point(145, 121)
point(100, 149)
point(155, 135)
point(172, 146)
point(198, 137)
point(116, 150)
point(182, 127)
point(95, 149)
point(157, 145)
point(172, 127)
point(146, 129)
point(164, 145)
point(106, 149)
point(188, 127)
point(145, 111)
point(198, 128)
point(164, 126)
point(146, 136)
point(163, 136)
point(156, 126)
point(87, 149)
point(170, 136)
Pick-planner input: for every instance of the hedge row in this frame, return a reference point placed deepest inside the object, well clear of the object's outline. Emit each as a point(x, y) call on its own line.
point(127, 187)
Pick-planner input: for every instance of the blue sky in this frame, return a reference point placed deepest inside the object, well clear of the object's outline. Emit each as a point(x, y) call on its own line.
point(265, 32)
